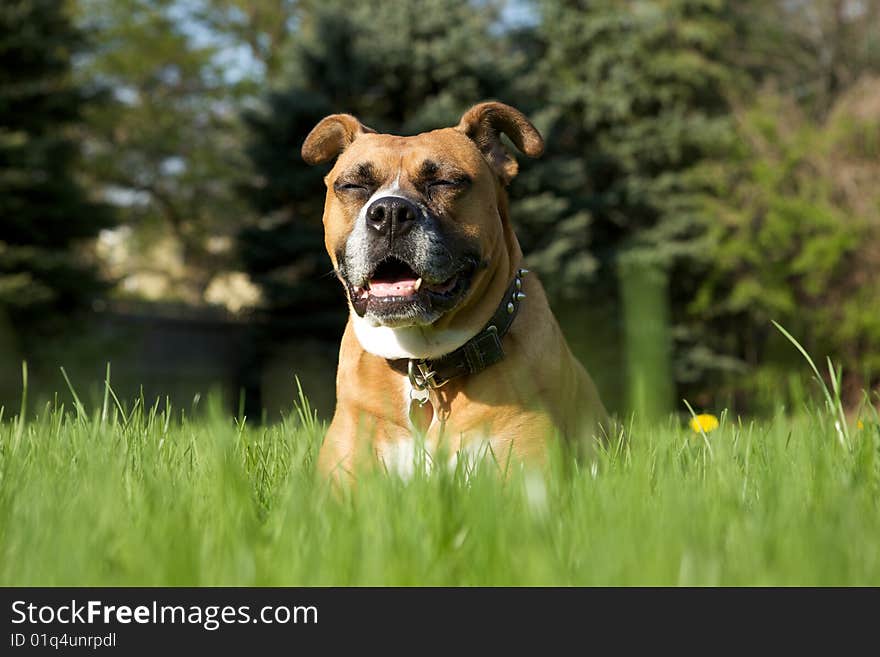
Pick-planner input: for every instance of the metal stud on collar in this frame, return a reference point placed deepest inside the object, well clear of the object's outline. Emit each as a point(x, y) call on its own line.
point(518, 294)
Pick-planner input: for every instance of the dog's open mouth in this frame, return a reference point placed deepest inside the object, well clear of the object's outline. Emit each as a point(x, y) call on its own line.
point(395, 287)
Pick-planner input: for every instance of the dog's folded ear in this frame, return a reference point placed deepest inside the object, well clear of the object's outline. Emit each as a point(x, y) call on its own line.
point(484, 124)
point(331, 136)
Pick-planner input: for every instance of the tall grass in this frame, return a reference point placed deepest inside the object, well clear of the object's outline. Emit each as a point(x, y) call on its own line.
point(146, 494)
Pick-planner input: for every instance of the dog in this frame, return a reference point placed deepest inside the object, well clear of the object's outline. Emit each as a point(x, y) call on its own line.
point(450, 342)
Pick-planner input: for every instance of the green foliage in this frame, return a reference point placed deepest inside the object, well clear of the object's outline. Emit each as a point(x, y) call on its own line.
point(167, 149)
point(262, 29)
point(629, 96)
point(812, 50)
point(147, 495)
point(45, 214)
point(630, 102)
point(795, 237)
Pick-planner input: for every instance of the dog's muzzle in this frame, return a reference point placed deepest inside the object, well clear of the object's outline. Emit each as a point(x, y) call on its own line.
point(399, 268)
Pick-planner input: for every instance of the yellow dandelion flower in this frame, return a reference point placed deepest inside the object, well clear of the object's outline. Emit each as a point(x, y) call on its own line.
point(704, 422)
point(860, 425)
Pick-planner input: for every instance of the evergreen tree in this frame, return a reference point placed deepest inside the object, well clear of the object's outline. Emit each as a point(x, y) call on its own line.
point(633, 91)
point(283, 251)
point(44, 212)
point(635, 105)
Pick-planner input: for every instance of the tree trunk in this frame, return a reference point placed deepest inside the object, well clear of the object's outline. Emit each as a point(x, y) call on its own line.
point(644, 291)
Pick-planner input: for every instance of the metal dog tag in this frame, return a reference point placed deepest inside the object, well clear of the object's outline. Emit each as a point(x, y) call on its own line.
point(421, 412)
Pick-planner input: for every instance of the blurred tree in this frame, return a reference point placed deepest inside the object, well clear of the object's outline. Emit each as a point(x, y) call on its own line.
point(634, 104)
point(798, 235)
point(793, 208)
point(44, 211)
point(262, 29)
point(633, 92)
point(399, 66)
point(812, 49)
point(168, 150)
point(283, 249)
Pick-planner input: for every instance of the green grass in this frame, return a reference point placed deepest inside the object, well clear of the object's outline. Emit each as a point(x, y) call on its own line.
point(148, 496)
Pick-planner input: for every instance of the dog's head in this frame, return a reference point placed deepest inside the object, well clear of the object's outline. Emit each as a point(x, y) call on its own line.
point(411, 222)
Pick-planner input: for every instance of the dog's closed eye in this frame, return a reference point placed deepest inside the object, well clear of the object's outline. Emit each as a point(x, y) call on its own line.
point(350, 187)
point(447, 184)
point(359, 179)
point(354, 189)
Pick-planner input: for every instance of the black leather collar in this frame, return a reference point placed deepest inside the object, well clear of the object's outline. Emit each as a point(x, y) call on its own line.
point(475, 355)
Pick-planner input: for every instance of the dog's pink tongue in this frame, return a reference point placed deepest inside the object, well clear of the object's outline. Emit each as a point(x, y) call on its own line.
point(402, 288)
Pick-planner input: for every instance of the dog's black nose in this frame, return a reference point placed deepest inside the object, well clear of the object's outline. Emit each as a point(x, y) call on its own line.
point(392, 215)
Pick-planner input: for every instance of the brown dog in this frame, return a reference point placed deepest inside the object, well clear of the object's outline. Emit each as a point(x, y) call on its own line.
point(448, 338)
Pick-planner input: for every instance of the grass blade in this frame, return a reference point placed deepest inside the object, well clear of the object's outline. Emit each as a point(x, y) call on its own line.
point(80, 409)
